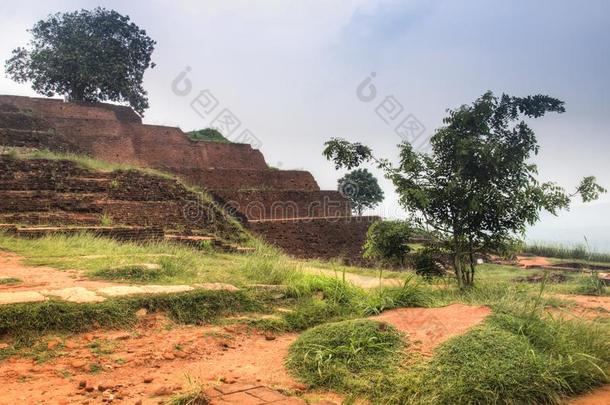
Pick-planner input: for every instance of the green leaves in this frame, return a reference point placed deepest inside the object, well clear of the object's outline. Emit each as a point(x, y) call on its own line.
point(589, 190)
point(346, 154)
point(96, 55)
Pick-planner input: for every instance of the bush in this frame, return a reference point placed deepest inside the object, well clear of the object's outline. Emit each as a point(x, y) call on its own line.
point(208, 135)
point(344, 355)
point(387, 242)
point(426, 263)
point(591, 285)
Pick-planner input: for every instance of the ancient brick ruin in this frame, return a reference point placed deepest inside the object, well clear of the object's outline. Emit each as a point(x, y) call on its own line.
point(286, 207)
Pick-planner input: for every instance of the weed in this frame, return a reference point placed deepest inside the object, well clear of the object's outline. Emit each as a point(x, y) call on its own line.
point(194, 395)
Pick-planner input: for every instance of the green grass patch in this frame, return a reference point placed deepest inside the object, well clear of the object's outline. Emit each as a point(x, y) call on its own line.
point(207, 135)
point(193, 307)
point(346, 356)
point(9, 281)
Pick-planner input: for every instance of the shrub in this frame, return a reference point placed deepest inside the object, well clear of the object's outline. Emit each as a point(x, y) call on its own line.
point(426, 263)
point(387, 242)
point(591, 285)
point(344, 355)
point(208, 135)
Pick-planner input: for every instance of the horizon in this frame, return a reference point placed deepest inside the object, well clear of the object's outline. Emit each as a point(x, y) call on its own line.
point(291, 74)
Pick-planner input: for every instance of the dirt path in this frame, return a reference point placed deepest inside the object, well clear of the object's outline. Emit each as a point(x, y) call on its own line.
point(153, 361)
point(527, 261)
point(429, 327)
point(36, 278)
point(366, 282)
point(600, 396)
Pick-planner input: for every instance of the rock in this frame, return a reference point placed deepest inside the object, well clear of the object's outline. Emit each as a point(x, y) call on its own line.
point(138, 402)
point(169, 356)
point(82, 384)
point(270, 337)
point(78, 363)
point(89, 388)
point(141, 313)
point(122, 336)
point(4, 346)
point(162, 391)
point(52, 344)
point(148, 379)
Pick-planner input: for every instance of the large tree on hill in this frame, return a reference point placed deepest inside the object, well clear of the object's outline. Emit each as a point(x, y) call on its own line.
point(477, 187)
point(96, 55)
point(360, 187)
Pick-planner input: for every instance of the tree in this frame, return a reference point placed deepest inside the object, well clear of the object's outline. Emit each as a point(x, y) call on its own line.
point(387, 242)
point(360, 187)
point(477, 188)
point(86, 55)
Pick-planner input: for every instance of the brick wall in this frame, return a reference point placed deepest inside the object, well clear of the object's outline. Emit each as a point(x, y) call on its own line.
point(258, 204)
point(317, 238)
point(247, 179)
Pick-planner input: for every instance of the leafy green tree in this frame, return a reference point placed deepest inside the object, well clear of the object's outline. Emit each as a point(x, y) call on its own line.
point(387, 242)
point(96, 55)
point(477, 187)
point(360, 187)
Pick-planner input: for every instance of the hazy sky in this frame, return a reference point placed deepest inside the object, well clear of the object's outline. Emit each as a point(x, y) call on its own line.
point(289, 71)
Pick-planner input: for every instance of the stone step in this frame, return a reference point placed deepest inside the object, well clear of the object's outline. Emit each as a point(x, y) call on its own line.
point(51, 218)
point(123, 233)
point(200, 242)
point(28, 201)
point(282, 204)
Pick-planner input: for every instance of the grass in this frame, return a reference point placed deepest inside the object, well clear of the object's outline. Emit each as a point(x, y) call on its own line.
point(10, 281)
point(193, 395)
point(559, 251)
point(207, 135)
point(82, 161)
point(22, 321)
point(343, 355)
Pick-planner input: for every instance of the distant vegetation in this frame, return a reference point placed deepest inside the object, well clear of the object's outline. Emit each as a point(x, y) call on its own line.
point(207, 135)
point(577, 252)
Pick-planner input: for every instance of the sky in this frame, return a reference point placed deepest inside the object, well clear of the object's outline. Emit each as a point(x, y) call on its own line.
point(290, 72)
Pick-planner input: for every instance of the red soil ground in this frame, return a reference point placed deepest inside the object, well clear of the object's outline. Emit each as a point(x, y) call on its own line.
point(429, 327)
point(151, 362)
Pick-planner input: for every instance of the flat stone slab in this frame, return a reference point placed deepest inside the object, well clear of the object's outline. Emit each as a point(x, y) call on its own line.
point(123, 290)
point(216, 286)
point(74, 294)
point(16, 297)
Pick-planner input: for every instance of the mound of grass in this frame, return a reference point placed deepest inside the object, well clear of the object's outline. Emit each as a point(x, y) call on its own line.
point(514, 358)
point(345, 356)
point(207, 135)
point(487, 366)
